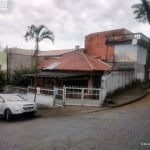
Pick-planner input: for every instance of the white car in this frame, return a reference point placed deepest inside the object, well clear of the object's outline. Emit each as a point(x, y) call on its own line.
point(13, 104)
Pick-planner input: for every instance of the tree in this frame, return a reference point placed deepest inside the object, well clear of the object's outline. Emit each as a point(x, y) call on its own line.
point(2, 80)
point(142, 14)
point(38, 33)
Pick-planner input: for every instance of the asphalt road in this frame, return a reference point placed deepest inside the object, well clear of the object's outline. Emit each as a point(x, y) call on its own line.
point(123, 128)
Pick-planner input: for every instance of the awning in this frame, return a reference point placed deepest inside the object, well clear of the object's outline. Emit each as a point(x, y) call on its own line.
point(56, 74)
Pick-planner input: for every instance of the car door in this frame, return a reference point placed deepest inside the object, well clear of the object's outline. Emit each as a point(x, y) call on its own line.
point(1, 105)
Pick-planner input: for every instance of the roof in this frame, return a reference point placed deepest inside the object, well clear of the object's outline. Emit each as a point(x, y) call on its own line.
point(20, 51)
point(56, 74)
point(75, 61)
point(111, 32)
point(55, 52)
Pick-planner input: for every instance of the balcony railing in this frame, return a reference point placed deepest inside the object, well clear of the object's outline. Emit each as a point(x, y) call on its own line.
point(122, 65)
point(128, 38)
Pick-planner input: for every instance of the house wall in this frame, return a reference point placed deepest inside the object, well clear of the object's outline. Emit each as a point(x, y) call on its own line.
point(18, 61)
point(132, 53)
point(141, 57)
point(125, 53)
point(117, 79)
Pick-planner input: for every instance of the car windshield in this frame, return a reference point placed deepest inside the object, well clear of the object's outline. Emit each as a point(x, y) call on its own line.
point(14, 98)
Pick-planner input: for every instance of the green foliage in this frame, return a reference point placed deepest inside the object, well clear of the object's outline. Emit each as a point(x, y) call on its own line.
point(140, 84)
point(142, 14)
point(142, 11)
point(2, 80)
point(20, 78)
point(38, 33)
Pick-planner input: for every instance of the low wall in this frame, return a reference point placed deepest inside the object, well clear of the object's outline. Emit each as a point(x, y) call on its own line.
point(117, 79)
point(42, 99)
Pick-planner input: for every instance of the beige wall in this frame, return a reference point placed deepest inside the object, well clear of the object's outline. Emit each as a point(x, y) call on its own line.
point(18, 58)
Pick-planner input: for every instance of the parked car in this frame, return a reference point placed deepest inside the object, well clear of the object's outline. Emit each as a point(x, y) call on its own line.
point(14, 104)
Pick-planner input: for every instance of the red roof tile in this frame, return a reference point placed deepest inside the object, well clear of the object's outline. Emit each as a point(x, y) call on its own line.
point(76, 61)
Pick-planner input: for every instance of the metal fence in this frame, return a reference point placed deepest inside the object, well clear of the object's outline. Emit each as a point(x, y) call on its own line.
point(83, 96)
point(65, 96)
point(21, 90)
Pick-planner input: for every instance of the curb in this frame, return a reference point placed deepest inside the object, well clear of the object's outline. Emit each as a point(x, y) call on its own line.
point(96, 110)
point(132, 100)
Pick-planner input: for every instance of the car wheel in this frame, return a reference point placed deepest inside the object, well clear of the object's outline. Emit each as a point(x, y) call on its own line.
point(8, 115)
point(32, 114)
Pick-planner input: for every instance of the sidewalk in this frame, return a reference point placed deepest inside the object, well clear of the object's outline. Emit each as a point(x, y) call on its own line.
point(127, 96)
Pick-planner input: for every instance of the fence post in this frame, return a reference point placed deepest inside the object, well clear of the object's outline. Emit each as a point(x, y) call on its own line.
point(64, 95)
point(54, 96)
point(100, 96)
point(82, 96)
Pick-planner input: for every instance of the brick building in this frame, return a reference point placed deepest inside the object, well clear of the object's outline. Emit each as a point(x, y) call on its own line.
point(95, 44)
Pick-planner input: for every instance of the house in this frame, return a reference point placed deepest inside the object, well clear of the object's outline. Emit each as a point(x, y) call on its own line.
point(111, 59)
point(73, 69)
point(119, 46)
point(124, 51)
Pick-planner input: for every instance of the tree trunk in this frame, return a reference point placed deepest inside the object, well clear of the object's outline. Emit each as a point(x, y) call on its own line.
point(36, 69)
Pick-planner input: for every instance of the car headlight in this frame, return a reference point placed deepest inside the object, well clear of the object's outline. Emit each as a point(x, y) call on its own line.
point(16, 107)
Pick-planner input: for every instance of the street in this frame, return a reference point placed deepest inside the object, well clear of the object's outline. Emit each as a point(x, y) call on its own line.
point(123, 128)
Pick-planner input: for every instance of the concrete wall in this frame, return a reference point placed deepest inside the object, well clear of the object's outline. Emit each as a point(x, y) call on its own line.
point(117, 79)
point(18, 61)
point(141, 55)
point(133, 53)
point(125, 52)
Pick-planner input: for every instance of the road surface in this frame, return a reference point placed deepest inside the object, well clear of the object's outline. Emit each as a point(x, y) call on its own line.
point(123, 128)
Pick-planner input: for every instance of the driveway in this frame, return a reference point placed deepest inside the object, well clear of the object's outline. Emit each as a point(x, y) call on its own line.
point(123, 128)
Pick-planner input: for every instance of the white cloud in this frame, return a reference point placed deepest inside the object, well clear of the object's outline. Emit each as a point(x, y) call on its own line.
point(70, 20)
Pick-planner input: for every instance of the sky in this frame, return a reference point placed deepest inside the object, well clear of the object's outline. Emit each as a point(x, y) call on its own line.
point(69, 20)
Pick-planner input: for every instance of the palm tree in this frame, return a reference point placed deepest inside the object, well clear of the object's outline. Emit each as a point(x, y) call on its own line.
point(38, 33)
point(142, 14)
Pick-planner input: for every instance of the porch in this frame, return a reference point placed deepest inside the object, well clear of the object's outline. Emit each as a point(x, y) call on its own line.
point(50, 80)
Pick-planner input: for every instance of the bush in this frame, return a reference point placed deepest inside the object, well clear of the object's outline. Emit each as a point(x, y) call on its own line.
point(20, 78)
point(2, 80)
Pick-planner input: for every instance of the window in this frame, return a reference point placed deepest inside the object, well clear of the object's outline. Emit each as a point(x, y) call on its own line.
point(1, 100)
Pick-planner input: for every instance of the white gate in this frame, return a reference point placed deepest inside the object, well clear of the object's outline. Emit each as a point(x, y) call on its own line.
point(83, 96)
point(66, 96)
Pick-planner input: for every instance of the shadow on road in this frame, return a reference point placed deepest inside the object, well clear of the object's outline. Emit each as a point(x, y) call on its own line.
point(23, 117)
